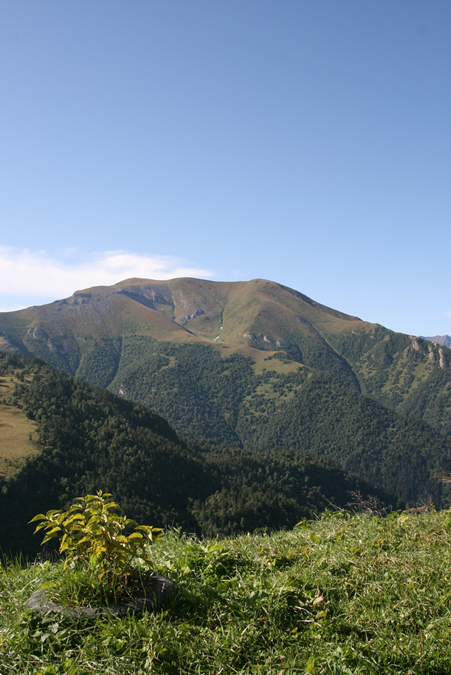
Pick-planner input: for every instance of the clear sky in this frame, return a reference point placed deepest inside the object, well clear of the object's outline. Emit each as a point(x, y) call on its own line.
point(303, 141)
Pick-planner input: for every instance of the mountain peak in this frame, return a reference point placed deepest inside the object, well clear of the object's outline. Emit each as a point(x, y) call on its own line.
point(444, 340)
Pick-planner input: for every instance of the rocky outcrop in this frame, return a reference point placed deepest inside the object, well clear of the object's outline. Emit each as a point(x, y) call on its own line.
point(283, 344)
point(189, 317)
point(160, 590)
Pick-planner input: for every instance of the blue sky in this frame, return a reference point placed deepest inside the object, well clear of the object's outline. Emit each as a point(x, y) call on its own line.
point(302, 141)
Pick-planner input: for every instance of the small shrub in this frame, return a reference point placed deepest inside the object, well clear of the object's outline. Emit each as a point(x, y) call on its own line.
point(93, 538)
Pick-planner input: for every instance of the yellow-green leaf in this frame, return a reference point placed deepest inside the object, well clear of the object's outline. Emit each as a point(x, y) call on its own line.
point(136, 536)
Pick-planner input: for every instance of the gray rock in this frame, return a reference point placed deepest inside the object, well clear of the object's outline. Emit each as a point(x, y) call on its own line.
point(159, 591)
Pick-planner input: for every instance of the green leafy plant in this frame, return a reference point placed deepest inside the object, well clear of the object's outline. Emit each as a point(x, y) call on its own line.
point(93, 537)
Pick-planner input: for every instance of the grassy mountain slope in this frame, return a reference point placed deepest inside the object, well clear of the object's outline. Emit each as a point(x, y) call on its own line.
point(88, 439)
point(94, 335)
point(409, 375)
point(243, 315)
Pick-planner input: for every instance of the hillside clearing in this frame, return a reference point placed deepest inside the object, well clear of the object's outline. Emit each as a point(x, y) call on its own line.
point(16, 433)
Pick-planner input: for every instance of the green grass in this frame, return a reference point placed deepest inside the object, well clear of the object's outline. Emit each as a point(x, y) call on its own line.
point(342, 595)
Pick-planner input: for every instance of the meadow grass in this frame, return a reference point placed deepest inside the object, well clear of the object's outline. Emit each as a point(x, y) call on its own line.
point(346, 594)
point(16, 432)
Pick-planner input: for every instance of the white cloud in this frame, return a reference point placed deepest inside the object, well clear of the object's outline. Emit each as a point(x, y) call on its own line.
point(41, 275)
point(13, 308)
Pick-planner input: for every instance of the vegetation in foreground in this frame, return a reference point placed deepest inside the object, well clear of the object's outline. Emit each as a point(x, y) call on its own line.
point(109, 564)
point(345, 594)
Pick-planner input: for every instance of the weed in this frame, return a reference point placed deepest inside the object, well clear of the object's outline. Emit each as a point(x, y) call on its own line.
point(101, 559)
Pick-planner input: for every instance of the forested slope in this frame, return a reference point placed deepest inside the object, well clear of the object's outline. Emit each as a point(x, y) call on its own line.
point(89, 439)
point(224, 399)
point(404, 373)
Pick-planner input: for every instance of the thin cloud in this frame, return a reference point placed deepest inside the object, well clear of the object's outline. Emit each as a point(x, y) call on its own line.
point(35, 272)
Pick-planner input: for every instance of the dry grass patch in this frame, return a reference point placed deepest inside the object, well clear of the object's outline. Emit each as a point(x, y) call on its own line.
point(16, 433)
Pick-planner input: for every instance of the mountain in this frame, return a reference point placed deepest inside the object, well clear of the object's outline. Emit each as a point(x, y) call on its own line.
point(86, 439)
point(444, 340)
point(102, 334)
point(256, 365)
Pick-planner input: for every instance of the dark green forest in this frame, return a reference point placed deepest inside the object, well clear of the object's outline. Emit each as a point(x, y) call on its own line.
point(221, 399)
point(90, 439)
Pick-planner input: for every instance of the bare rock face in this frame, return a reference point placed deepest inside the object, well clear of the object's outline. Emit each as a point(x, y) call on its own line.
point(189, 317)
point(39, 334)
point(283, 344)
point(415, 345)
point(79, 298)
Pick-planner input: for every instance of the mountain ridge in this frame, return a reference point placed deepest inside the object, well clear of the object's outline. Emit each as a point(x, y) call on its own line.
point(256, 314)
point(228, 362)
point(444, 340)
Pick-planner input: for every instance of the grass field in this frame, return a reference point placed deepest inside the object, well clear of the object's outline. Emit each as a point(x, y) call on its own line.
point(347, 594)
point(16, 433)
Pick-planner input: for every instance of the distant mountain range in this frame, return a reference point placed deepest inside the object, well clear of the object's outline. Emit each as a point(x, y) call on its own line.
point(440, 339)
point(256, 365)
